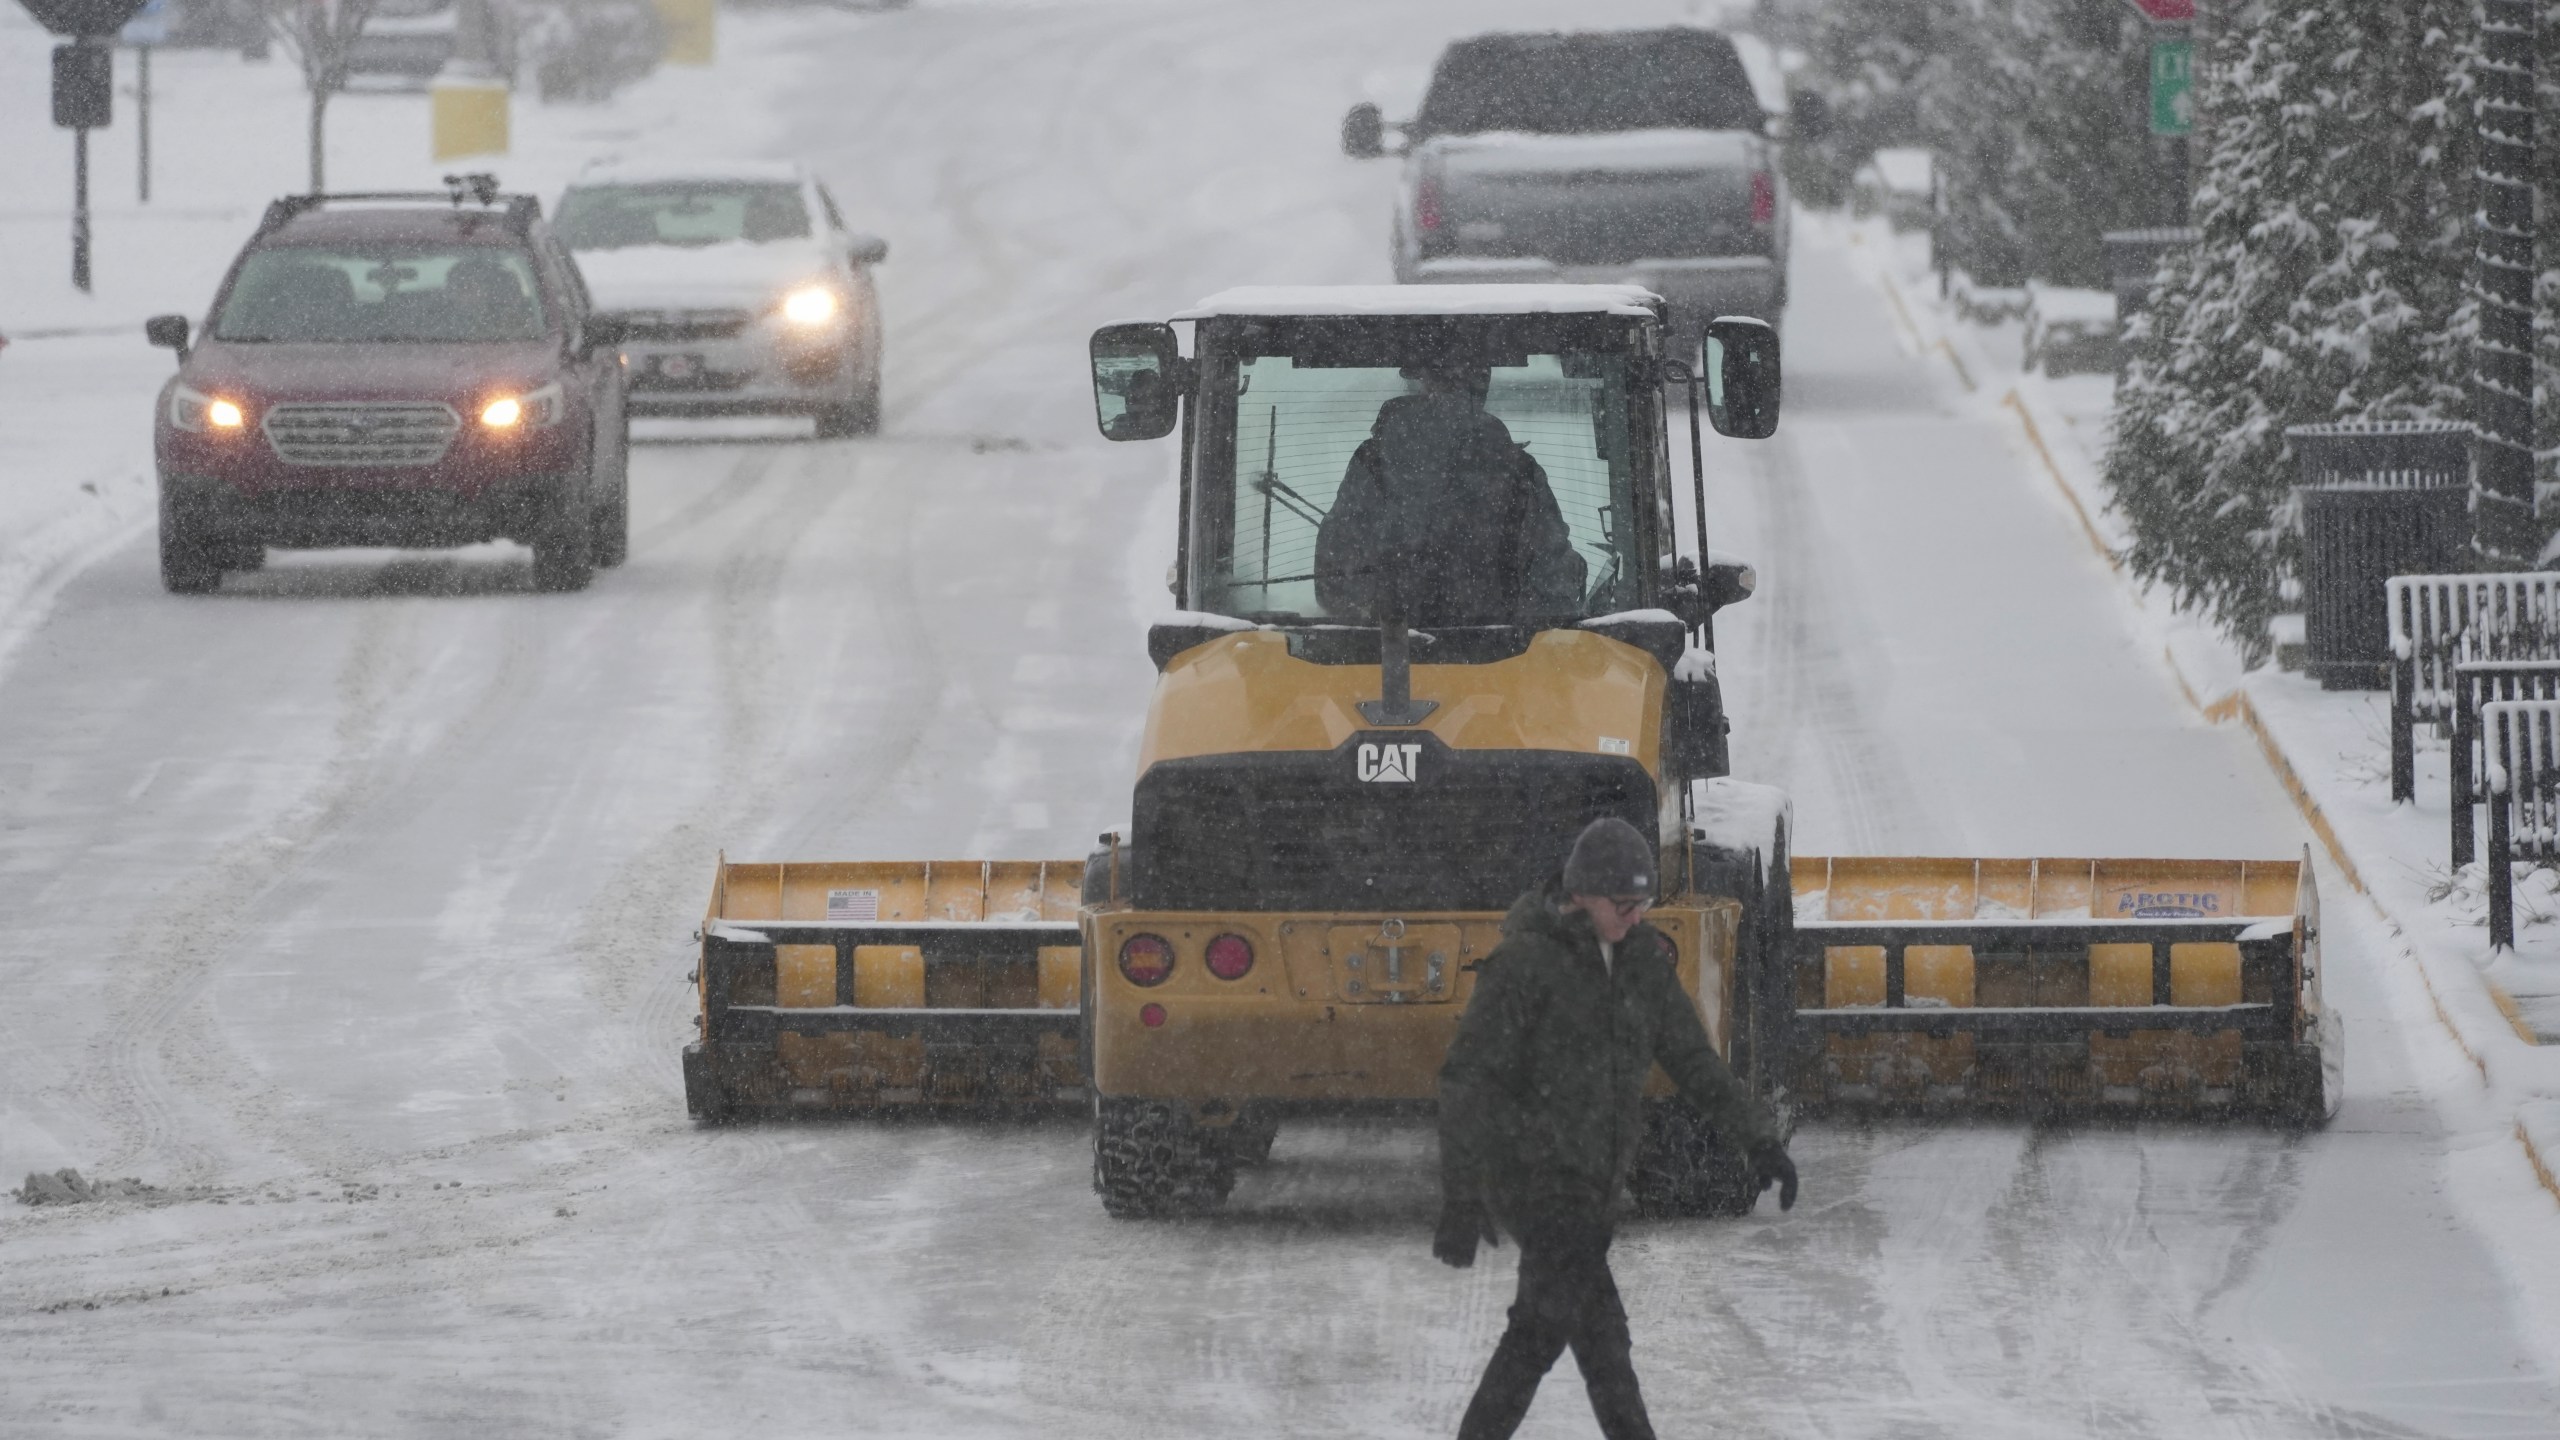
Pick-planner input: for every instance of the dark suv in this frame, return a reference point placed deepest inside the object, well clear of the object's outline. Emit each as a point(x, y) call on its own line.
point(405, 370)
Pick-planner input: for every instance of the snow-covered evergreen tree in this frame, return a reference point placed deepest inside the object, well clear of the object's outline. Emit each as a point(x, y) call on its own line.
point(2329, 285)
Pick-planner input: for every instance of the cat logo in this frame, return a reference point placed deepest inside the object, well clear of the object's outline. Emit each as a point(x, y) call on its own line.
point(1389, 764)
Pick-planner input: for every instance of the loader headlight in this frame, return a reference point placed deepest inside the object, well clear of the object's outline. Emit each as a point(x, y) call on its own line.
point(811, 305)
point(193, 409)
point(1146, 960)
point(537, 409)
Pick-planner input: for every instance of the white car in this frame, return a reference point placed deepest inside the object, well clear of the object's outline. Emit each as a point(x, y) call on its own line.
point(741, 289)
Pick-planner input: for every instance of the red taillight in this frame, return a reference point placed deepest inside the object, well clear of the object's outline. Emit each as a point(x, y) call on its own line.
point(1764, 197)
point(1426, 205)
point(1230, 956)
point(1146, 959)
point(1151, 1016)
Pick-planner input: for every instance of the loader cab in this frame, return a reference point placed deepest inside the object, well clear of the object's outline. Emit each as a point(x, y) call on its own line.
point(1432, 607)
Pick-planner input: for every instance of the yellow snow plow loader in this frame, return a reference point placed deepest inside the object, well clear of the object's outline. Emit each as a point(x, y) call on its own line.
point(1433, 617)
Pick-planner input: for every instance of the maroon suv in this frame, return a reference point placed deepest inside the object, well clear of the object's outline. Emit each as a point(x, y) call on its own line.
point(403, 370)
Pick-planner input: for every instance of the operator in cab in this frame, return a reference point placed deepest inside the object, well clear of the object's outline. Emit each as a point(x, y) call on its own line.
point(1443, 519)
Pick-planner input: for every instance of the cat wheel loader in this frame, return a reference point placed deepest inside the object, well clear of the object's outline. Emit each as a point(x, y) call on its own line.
point(1396, 687)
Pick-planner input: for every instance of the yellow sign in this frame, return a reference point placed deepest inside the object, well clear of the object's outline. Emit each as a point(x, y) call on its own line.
point(689, 27)
point(467, 117)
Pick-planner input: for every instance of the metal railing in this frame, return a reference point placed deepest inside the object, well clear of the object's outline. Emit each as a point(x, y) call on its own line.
point(2523, 752)
point(2477, 683)
point(2438, 622)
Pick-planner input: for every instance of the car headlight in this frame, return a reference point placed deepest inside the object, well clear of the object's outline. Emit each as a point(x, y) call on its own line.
point(192, 409)
point(535, 409)
point(812, 305)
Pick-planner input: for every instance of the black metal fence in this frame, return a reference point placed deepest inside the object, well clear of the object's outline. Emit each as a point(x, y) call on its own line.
point(2377, 500)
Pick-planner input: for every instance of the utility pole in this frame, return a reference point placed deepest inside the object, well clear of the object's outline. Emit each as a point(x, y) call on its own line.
point(2505, 535)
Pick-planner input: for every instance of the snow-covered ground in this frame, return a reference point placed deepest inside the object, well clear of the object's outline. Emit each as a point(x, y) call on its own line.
point(358, 895)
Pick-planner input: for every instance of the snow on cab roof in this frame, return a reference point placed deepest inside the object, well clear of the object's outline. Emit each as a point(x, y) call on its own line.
point(1426, 300)
point(659, 172)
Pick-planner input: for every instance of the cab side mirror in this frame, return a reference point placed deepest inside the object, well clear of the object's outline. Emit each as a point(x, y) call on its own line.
point(168, 332)
point(1364, 132)
point(603, 332)
point(865, 249)
point(1742, 377)
point(1138, 378)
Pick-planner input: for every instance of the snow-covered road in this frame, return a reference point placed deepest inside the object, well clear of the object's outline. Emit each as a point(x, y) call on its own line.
point(359, 894)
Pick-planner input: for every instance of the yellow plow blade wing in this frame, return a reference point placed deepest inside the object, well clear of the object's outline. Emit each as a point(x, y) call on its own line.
point(2041, 983)
point(883, 984)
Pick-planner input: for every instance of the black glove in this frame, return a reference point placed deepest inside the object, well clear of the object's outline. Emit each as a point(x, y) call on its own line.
point(1462, 1224)
point(1769, 1163)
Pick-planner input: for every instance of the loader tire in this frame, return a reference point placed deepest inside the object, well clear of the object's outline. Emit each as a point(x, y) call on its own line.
point(1150, 1163)
point(1682, 1168)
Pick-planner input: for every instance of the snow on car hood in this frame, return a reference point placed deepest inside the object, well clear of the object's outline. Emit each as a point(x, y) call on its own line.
point(643, 277)
point(1512, 152)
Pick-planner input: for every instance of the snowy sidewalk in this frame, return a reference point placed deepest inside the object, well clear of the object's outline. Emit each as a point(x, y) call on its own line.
point(2331, 749)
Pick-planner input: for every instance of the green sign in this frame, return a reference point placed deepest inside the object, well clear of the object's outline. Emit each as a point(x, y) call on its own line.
point(2173, 86)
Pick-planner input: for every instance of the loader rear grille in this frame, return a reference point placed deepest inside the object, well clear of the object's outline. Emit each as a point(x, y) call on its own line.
point(1303, 831)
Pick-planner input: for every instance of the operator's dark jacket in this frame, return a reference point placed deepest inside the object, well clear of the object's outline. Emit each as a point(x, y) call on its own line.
point(1441, 505)
point(1540, 1095)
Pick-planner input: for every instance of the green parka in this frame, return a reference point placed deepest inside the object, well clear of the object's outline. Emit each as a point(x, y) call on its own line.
point(1540, 1097)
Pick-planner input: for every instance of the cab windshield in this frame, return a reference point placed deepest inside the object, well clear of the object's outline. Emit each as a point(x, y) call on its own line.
point(1353, 473)
point(307, 294)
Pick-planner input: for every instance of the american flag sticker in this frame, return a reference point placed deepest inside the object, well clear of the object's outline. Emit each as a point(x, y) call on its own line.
point(860, 906)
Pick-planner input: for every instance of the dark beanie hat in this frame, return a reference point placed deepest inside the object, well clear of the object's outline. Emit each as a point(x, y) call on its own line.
point(1611, 857)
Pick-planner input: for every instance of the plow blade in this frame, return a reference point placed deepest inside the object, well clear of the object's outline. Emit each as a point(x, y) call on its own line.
point(886, 985)
point(2179, 986)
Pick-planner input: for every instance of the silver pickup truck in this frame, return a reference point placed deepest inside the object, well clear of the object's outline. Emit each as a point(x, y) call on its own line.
point(1640, 156)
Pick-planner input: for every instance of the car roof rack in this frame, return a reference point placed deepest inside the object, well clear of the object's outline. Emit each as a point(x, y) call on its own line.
point(478, 190)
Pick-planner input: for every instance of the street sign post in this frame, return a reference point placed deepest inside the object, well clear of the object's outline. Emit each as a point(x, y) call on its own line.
point(83, 95)
point(2173, 85)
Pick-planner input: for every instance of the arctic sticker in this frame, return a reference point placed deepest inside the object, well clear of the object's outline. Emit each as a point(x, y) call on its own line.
point(2169, 904)
point(858, 906)
point(1612, 745)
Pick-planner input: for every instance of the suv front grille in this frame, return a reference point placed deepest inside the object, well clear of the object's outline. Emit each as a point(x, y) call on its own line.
point(1303, 832)
point(661, 326)
point(353, 433)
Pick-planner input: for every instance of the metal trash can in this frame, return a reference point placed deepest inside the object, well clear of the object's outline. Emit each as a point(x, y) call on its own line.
point(2133, 257)
point(2377, 500)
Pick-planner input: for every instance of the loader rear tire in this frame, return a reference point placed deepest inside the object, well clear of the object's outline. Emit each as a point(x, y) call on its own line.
point(1682, 1168)
point(1150, 1163)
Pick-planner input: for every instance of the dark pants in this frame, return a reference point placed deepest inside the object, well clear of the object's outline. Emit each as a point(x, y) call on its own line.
point(1567, 1298)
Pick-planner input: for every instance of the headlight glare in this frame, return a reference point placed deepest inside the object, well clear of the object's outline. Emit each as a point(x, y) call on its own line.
point(192, 409)
point(811, 305)
point(537, 408)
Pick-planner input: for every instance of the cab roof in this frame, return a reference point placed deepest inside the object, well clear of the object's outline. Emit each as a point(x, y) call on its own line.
point(1629, 300)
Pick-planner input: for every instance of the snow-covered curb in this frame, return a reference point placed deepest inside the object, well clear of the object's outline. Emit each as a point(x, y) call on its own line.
point(2328, 749)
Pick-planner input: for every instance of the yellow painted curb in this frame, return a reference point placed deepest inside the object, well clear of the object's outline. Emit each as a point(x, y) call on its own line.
point(2088, 527)
point(2506, 1004)
point(2533, 1157)
point(1962, 373)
